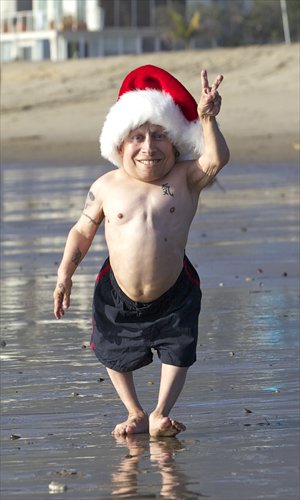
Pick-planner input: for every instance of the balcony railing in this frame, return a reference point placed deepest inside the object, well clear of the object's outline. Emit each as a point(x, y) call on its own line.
point(29, 21)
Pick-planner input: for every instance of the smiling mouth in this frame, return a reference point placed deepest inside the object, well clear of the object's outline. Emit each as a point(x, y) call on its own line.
point(149, 163)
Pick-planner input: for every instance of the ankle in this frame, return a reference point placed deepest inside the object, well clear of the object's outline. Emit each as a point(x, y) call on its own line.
point(157, 414)
point(137, 413)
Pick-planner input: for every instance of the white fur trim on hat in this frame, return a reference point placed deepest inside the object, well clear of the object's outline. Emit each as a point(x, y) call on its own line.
point(137, 107)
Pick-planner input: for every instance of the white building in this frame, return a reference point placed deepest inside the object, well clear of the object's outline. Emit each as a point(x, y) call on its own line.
point(62, 29)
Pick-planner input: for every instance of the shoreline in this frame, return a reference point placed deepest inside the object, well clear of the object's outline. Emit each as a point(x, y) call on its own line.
point(275, 150)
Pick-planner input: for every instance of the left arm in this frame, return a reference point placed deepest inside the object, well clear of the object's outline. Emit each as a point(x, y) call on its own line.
point(216, 152)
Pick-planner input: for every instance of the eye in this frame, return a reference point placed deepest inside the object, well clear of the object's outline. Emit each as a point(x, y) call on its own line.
point(158, 136)
point(137, 138)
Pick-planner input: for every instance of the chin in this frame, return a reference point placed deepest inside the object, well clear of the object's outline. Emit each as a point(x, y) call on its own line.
point(150, 177)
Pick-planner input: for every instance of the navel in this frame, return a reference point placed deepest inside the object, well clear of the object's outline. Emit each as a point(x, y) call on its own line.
point(172, 209)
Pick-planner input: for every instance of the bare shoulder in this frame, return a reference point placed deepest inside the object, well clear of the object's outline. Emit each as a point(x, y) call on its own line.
point(100, 185)
point(105, 179)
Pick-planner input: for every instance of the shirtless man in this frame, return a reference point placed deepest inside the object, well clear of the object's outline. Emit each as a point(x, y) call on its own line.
point(147, 295)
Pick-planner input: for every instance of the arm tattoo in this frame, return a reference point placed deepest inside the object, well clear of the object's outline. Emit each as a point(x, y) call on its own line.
point(92, 220)
point(90, 197)
point(76, 257)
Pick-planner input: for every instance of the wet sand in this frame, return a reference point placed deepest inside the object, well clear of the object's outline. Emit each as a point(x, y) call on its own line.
point(241, 400)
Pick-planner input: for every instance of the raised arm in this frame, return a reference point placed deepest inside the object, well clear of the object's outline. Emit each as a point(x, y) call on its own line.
point(78, 243)
point(216, 152)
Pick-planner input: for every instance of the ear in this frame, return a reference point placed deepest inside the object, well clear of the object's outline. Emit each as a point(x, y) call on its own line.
point(176, 152)
point(121, 149)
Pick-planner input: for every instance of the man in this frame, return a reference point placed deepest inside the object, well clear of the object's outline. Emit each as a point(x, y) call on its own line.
point(147, 295)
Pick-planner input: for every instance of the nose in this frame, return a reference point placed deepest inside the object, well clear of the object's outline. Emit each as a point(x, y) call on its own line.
point(148, 144)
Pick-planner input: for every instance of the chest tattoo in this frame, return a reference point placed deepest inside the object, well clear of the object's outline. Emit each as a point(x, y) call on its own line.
point(167, 189)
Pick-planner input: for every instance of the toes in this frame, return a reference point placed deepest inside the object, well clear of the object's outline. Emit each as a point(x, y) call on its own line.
point(119, 431)
point(132, 426)
point(168, 428)
point(165, 423)
point(130, 429)
point(171, 425)
point(178, 425)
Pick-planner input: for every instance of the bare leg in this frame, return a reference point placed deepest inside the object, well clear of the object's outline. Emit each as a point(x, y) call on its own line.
point(137, 421)
point(171, 384)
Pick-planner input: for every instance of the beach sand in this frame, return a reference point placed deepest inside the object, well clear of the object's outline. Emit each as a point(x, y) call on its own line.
point(241, 401)
point(54, 111)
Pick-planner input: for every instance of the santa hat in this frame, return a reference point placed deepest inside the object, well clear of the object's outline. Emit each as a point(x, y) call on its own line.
point(151, 94)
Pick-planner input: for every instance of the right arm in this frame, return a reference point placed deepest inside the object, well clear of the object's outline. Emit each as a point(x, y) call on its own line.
point(78, 243)
point(216, 152)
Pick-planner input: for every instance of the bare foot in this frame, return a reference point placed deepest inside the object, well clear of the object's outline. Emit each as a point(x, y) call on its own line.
point(135, 424)
point(164, 427)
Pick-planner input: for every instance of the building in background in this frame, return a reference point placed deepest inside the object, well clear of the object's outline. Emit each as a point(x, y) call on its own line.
point(63, 29)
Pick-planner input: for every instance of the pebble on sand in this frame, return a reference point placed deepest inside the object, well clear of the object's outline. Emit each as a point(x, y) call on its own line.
point(13, 437)
point(55, 487)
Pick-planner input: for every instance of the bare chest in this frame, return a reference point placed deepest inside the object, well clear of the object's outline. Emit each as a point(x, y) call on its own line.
point(154, 207)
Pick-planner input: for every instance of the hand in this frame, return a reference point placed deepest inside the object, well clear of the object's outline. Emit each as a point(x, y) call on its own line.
point(61, 296)
point(210, 100)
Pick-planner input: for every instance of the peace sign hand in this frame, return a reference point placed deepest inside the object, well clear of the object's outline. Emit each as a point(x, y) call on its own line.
point(210, 100)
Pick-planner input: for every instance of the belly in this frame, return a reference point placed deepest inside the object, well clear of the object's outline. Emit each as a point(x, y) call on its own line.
point(146, 269)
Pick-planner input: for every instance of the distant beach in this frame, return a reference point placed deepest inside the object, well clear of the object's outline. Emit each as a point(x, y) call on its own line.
point(53, 112)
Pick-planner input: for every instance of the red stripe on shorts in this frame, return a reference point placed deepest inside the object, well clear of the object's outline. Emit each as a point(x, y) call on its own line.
point(195, 281)
point(92, 344)
point(103, 271)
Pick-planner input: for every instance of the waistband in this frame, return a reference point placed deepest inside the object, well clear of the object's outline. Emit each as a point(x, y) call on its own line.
point(184, 277)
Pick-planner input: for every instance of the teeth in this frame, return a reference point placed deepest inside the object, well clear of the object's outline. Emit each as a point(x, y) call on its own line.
point(148, 162)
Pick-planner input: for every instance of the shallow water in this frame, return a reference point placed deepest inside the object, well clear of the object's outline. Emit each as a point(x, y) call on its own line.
point(57, 399)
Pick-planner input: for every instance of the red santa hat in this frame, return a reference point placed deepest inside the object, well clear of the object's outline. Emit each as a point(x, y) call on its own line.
point(151, 94)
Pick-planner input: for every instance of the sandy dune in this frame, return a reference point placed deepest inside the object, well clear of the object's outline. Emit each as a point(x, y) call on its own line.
point(53, 112)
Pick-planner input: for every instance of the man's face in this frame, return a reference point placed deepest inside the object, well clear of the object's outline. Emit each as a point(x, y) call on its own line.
point(148, 154)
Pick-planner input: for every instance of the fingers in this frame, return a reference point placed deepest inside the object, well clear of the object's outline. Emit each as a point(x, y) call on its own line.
point(205, 83)
point(61, 298)
point(58, 309)
point(210, 100)
point(58, 304)
point(216, 106)
point(204, 79)
point(217, 82)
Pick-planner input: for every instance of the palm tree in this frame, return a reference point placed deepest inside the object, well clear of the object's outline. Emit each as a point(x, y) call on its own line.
point(184, 29)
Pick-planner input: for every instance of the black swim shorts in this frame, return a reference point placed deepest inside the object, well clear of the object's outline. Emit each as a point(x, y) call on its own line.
point(125, 332)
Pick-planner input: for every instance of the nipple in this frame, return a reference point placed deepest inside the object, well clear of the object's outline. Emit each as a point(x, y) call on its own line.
point(120, 216)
